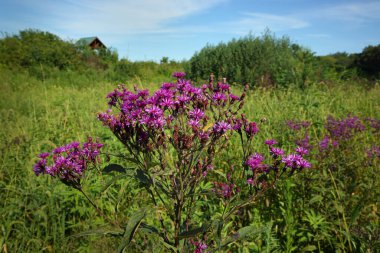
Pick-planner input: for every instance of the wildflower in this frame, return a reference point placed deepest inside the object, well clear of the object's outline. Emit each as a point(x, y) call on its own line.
point(179, 74)
point(275, 152)
point(194, 123)
point(223, 87)
point(196, 114)
point(270, 142)
point(199, 246)
point(250, 181)
point(69, 162)
point(219, 97)
point(226, 190)
point(301, 151)
point(255, 161)
point(234, 98)
point(373, 152)
point(221, 127)
point(251, 129)
point(344, 129)
point(324, 143)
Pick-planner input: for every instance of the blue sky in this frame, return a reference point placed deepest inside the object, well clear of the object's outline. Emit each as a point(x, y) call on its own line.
point(151, 29)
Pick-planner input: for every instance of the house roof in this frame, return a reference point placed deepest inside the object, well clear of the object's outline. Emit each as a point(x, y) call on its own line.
point(87, 41)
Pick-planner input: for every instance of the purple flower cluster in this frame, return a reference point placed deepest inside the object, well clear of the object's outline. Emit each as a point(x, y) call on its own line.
point(295, 161)
point(343, 129)
point(297, 125)
point(255, 162)
point(225, 190)
point(374, 124)
point(373, 152)
point(179, 75)
point(69, 162)
point(140, 118)
point(326, 143)
point(199, 246)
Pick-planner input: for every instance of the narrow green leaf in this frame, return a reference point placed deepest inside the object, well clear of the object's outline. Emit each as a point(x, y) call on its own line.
point(100, 231)
point(132, 226)
point(114, 167)
point(317, 198)
point(309, 248)
point(241, 234)
point(112, 181)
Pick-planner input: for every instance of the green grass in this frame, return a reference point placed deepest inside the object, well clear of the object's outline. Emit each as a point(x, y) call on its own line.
point(40, 214)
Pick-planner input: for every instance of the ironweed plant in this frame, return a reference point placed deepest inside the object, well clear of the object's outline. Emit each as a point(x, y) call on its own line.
point(172, 138)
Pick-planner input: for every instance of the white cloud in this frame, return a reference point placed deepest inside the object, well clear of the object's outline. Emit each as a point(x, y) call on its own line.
point(258, 22)
point(355, 12)
point(123, 17)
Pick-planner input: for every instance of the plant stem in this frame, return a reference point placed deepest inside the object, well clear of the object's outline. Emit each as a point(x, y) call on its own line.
point(98, 209)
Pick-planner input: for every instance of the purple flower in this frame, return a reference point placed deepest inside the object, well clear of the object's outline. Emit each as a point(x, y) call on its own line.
point(43, 155)
point(234, 97)
point(302, 151)
point(250, 181)
point(251, 129)
point(344, 129)
point(196, 114)
point(373, 152)
point(199, 247)
point(179, 74)
point(303, 164)
point(290, 160)
point(270, 142)
point(194, 123)
point(297, 125)
point(167, 86)
point(167, 103)
point(143, 93)
point(238, 125)
point(324, 143)
point(221, 127)
point(219, 97)
point(154, 111)
point(295, 161)
point(225, 190)
point(276, 152)
point(204, 136)
point(255, 161)
point(70, 161)
point(223, 87)
point(183, 99)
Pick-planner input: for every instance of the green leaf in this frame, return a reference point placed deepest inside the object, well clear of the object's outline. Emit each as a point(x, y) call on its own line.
point(142, 177)
point(112, 181)
point(309, 248)
point(100, 231)
point(241, 234)
point(317, 198)
point(152, 230)
point(132, 226)
point(217, 228)
point(114, 167)
point(355, 213)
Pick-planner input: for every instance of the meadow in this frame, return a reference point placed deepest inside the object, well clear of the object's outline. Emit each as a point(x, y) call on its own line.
point(331, 207)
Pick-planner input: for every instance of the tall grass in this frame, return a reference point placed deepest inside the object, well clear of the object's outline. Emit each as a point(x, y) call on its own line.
point(37, 214)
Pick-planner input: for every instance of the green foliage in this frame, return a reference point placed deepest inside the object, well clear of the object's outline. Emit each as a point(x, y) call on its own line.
point(368, 61)
point(261, 61)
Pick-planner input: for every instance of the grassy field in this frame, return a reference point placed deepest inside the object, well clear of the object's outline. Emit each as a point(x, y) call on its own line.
point(39, 214)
